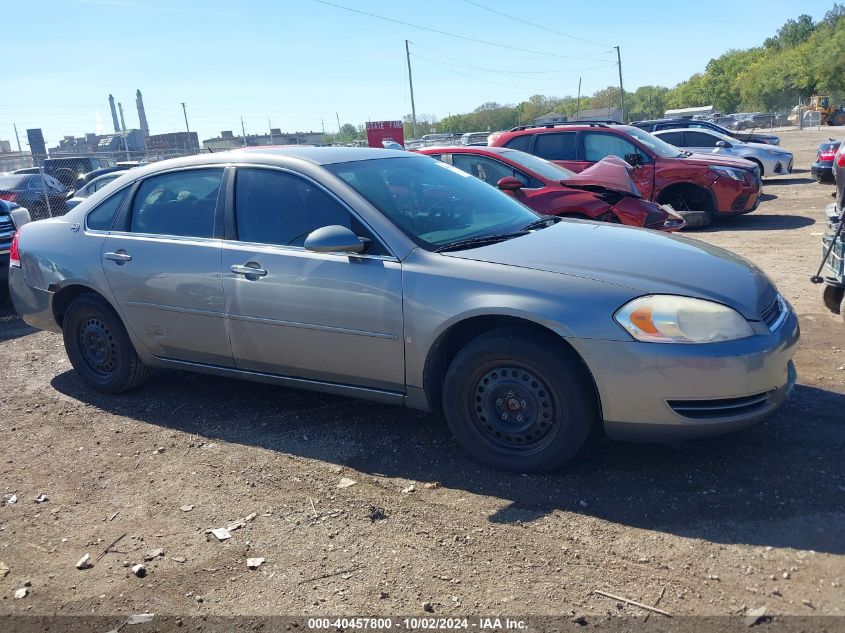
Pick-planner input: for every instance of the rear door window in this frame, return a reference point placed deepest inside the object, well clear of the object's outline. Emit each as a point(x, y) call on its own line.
point(699, 139)
point(522, 142)
point(556, 146)
point(673, 138)
point(101, 217)
point(182, 203)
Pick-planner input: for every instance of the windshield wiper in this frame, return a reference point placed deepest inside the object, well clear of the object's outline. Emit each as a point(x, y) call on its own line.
point(478, 241)
point(542, 223)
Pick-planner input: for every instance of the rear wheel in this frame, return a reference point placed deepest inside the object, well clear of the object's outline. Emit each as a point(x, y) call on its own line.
point(832, 297)
point(99, 347)
point(516, 403)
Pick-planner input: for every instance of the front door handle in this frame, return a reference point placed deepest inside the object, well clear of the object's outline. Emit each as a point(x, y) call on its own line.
point(121, 257)
point(250, 269)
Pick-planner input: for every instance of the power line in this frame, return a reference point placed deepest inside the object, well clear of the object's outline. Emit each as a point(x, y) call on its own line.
point(459, 62)
point(538, 26)
point(448, 34)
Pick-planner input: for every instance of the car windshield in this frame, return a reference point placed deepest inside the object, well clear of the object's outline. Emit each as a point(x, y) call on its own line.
point(538, 165)
point(433, 203)
point(659, 147)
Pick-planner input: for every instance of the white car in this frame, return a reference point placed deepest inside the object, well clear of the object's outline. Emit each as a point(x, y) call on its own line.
point(95, 185)
point(770, 159)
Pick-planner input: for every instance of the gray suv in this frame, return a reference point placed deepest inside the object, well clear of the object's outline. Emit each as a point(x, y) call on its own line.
point(395, 277)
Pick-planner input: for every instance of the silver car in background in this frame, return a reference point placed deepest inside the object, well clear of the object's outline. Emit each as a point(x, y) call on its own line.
point(769, 158)
point(87, 189)
point(395, 277)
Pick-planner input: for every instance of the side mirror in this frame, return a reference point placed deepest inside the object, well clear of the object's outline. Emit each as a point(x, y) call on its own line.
point(634, 159)
point(334, 239)
point(509, 183)
point(723, 144)
point(69, 194)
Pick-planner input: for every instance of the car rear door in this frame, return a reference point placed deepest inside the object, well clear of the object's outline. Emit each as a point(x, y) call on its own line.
point(331, 317)
point(162, 263)
point(561, 148)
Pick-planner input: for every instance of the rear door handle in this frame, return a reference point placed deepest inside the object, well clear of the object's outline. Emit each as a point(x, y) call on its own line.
point(254, 270)
point(121, 257)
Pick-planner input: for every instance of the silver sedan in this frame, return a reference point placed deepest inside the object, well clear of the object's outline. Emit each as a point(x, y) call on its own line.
point(395, 277)
point(770, 159)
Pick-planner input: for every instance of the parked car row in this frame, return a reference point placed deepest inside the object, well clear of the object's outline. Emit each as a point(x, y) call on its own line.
point(822, 168)
point(405, 279)
point(700, 187)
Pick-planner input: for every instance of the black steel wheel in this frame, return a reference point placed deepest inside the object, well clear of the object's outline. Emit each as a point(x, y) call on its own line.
point(517, 400)
point(99, 347)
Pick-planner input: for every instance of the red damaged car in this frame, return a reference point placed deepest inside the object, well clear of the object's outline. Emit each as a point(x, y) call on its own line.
point(604, 192)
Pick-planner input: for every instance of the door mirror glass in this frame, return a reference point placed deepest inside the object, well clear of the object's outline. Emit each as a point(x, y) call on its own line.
point(634, 159)
point(723, 144)
point(509, 183)
point(334, 239)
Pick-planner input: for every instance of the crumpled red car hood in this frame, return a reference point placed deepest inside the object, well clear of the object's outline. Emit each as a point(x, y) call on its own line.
point(611, 173)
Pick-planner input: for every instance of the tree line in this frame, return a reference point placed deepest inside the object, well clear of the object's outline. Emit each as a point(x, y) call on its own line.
point(803, 58)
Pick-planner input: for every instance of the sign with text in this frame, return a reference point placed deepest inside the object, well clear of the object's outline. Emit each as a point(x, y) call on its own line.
point(378, 131)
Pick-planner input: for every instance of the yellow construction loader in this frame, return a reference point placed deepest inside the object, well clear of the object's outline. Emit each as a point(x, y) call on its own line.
point(828, 114)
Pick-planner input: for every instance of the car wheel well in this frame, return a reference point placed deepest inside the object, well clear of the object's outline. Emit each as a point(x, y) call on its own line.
point(450, 342)
point(64, 297)
point(687, 190)
point(759, 164)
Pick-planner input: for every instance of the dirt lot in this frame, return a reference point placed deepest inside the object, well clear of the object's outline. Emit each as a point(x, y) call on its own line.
point(724, 525)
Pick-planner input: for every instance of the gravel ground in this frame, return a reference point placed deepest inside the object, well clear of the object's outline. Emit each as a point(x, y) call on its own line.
point(721, 526)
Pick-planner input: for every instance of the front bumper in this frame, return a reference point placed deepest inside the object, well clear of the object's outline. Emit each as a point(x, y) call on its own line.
point(655, 391)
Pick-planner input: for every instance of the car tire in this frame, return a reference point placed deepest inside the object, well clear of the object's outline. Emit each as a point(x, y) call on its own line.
point(516, 402)
point(832, 297)
point(99, 347)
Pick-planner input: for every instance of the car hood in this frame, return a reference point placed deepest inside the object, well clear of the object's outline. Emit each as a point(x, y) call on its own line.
point(766, 147)
point(610, 173)
point(717, 159)
point(647, 262)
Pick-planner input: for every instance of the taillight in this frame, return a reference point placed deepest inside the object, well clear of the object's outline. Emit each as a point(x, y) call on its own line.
point(9, 196)
point(826, 154)
point(14, 255)
point(840, 161)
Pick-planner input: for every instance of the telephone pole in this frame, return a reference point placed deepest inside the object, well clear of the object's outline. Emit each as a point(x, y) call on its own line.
point(578, 103)
point(187, 127)
point(270, 125)
point(411, 85)
point(621, 89)
point(243, 131)
point(18, 139)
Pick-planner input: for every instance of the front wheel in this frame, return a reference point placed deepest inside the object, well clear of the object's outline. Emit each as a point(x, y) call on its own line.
point(516, 403)
point(99, 347)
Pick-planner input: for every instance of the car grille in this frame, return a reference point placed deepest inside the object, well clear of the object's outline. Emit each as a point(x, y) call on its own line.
point(772, 315)
point(721, 408)
point(7, 231)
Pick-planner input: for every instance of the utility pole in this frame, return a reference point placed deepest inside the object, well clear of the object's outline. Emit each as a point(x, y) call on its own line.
point(578, 103)
point(187, 127)
point(270, 125)
point(338, 122)
point(621, 89)
point(243, 131)
point(411, 85)
point(18, 139)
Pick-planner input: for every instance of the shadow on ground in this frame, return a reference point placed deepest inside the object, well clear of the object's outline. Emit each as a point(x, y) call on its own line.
point(11, 325)
point(760, 223)
point(780, 483)
point(775, 181)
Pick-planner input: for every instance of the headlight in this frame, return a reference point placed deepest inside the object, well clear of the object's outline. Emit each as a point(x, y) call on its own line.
point(673, 319)
point(730, 172)
point(775, 152)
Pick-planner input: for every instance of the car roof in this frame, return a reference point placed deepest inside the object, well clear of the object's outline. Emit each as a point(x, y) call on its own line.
point(466, 149)
point(318, 155)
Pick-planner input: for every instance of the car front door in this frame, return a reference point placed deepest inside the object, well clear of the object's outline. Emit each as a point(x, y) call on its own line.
point(598, 145)
point(492, 171)
point(703, 143)
point(331, 317)
point(162, 263)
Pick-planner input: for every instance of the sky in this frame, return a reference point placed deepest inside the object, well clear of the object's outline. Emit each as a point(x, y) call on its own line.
point(299, 65)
